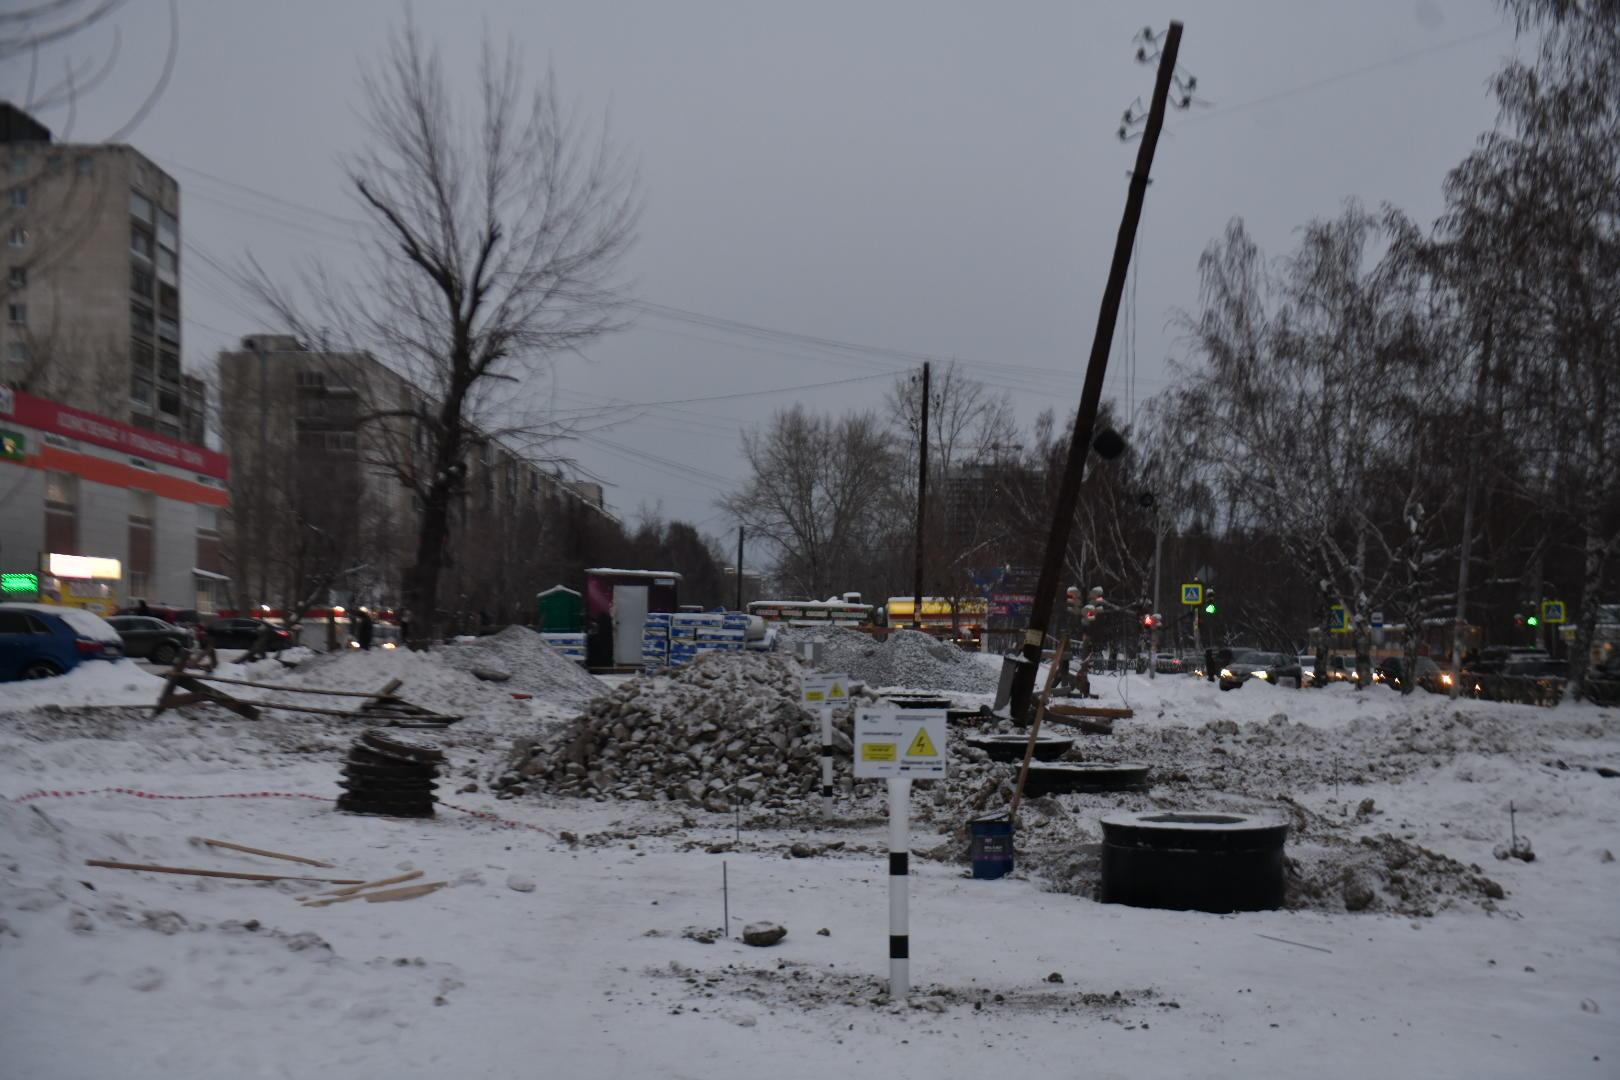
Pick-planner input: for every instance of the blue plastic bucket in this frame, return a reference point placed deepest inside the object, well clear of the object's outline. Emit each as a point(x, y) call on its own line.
point(990, 845)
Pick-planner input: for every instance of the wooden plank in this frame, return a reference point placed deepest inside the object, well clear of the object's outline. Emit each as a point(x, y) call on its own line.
point(299, 689)
point(194, 872)
point(267, 854)
point(1105, 712)
point(1035, 728)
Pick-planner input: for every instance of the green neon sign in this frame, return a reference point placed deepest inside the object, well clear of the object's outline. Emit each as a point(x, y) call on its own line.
point(19, 583)
point(13, 447)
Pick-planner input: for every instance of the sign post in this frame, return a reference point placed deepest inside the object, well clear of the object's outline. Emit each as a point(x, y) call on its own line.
point(899, 745)
point(824, 692)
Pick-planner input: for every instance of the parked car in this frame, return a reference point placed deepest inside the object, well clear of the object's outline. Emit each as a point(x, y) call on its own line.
point(41, 640)
point(243, 633)
point(151, 638)
point(187, 617)
point(1426, 674)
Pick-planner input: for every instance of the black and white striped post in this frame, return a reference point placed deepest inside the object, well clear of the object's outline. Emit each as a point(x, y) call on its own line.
point(826, 759)
point(899, 888)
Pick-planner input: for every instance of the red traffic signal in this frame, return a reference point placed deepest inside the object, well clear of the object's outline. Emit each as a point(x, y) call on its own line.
point(1147, 621)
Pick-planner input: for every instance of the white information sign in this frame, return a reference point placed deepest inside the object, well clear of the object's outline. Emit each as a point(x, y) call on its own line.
point(899, 743)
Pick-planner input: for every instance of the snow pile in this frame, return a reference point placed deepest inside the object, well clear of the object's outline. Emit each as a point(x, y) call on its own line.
point(535, 667)
point(907, 658)
point(94, 682)
point(728, 726)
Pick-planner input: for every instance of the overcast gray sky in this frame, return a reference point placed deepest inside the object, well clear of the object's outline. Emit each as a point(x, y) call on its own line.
point(933, 177)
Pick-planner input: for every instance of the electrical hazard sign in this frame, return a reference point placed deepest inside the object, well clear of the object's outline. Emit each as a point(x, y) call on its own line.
point(824, 689)
point(892, 742)
point(922, 746)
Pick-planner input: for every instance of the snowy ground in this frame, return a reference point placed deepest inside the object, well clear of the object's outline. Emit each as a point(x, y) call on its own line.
point(590, 974)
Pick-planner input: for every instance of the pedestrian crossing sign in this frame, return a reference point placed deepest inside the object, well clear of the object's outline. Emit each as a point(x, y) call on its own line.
point(1192, 594)
point(1552, 611)
point(1338, 619)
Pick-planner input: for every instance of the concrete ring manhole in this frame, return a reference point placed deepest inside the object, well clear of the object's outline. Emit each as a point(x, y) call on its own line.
point(1062, 777)
point(1011, 747)
point(919, 701)
point(1193, 860)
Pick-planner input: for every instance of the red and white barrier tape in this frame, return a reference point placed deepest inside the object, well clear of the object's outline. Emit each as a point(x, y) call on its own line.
point(482, 815)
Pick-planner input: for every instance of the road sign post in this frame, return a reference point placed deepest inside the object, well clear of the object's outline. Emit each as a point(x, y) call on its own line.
point(898, 746)
point(1192, 594)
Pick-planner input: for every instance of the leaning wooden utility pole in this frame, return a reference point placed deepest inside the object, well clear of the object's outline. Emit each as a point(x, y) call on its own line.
point(1069, 489)
point(922, 505)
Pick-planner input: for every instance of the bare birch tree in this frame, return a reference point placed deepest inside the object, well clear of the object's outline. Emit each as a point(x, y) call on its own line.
point(497, 240)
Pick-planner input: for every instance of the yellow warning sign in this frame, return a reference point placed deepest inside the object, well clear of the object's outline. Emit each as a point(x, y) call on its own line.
point(877, 751)
point(814, 695)
point(922, 745)
point(837, 692)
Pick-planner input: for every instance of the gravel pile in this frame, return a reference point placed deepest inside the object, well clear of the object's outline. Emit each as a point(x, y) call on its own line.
point(536, 668)
point(906, 659)
point(727, 726)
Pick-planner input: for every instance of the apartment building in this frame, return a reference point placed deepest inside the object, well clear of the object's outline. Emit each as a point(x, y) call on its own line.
point(97, 513)
point(92, 281)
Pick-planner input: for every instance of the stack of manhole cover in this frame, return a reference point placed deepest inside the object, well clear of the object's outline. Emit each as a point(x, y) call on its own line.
point(1195, 861)
point(1064, 777)
point(390, 775)
point(1011, 747)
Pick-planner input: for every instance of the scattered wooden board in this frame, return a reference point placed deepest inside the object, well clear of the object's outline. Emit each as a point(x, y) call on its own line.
point(194, 872)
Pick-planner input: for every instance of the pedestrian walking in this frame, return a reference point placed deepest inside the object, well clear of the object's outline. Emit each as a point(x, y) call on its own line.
point(362, 628)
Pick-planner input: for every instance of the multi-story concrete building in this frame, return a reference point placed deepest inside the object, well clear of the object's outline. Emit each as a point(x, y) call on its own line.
point(92, 281)
point(97, 513)
point(325, 439)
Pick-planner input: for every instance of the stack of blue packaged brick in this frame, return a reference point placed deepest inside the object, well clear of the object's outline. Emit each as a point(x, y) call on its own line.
point(655, 639)
point(571, 645)
point(691, 634)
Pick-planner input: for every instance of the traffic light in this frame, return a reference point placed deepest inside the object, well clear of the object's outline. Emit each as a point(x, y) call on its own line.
point(1147, 621)
point(1532, 620)
point(1071, 600)
point(1088, 615)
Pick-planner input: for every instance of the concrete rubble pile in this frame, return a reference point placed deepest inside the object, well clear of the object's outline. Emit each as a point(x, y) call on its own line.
point(907, 658)
point(727, 727)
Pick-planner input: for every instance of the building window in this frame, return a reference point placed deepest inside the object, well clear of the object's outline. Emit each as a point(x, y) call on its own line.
point(169, 330)
point(18, 278)
point(140, 243)
point(140, 281)
point(19, 237)
point(17, 352)
point(140, 389)
point(168, 231)
point(169, 366)
point(140, 206)
point(166, 261)
point(142, 506)
point(17, 196)
point(17, 314)
point(138, 584)
point(207, 518)
point(169, 404)
point(83, 164)
point(311, 380)
point(140, 319)
point(140, 356)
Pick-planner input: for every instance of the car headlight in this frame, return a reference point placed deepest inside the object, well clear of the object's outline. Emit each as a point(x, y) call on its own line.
point(1226, 673)
point(1445, 679)
point(389, 645)
point(1262, 674)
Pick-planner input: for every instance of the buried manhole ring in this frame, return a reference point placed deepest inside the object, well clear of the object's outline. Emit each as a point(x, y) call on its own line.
point(919, 701)
point(1012, 747)
point(1062, 777)
point(1189, 860)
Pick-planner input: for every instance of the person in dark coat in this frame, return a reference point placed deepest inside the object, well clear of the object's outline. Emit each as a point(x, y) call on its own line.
point(142, 609)
point(363, 628)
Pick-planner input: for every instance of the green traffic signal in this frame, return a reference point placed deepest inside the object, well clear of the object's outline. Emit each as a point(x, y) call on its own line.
point(1209, 609)
point(1533, 621)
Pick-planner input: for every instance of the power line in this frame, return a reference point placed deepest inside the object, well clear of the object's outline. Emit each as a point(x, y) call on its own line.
point(1217, 109)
